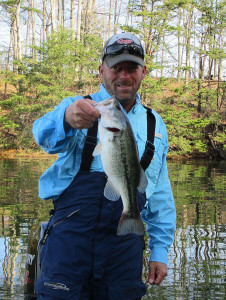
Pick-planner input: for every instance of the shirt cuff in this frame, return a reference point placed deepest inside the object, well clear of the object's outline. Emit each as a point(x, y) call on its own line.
point(63, 129)
point(159, 255)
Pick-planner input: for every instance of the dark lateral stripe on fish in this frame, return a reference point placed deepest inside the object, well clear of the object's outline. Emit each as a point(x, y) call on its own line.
point(129, 224)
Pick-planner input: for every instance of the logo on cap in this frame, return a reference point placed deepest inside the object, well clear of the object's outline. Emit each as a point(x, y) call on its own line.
point(124, 41)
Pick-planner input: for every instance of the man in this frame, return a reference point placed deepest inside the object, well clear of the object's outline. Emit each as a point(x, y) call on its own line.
point(82, 256)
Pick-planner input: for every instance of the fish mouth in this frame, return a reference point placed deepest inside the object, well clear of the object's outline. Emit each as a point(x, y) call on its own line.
point(113, 129)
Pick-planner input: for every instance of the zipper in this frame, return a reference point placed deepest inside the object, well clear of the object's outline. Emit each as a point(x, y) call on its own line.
point(47, 231)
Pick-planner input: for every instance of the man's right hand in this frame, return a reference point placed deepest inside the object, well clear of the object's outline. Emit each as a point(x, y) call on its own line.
point(81, 114)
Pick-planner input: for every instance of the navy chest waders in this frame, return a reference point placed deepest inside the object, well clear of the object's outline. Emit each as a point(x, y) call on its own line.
point(82, 258)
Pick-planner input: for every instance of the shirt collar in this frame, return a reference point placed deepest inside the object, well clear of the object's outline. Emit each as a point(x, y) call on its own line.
point(104, 93)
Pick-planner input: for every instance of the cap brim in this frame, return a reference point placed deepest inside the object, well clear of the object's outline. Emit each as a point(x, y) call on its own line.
point(113, 60)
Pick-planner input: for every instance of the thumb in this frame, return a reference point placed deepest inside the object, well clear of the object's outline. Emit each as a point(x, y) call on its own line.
point(152, 272)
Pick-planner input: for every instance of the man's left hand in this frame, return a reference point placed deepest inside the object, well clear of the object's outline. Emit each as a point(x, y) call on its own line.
point(157, 272)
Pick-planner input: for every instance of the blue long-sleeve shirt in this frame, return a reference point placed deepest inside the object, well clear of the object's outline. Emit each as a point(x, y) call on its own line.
point(159, 215)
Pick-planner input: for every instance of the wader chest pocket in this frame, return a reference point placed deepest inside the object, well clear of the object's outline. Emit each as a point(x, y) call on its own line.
point(48, 229)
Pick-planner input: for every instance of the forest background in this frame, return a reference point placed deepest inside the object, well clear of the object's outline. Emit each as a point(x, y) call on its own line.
point(51, 49)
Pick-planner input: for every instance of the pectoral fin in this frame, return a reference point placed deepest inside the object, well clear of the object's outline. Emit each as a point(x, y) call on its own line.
point(143, 181)
point(110, 193)
point(97, 149)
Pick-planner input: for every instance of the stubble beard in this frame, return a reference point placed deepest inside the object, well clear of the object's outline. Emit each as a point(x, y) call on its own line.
point(124, 100)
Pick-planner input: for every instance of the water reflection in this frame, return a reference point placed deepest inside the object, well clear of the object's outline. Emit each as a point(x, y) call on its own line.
point(20, 209)
point(196, 259)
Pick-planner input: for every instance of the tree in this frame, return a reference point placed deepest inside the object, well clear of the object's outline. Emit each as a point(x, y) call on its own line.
point(188, 35)
point(73, 7)
point(60, 13)
point(43, 21)
point(53, 15)
point(34, 54)
point(12, 9)
point(79, 17)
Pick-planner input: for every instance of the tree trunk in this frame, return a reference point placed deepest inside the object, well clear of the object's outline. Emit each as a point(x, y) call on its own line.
point(49, 25)
point(73, 5)
point(17, 33)
point(53, 15)
point(105, 23)
point(27, 42)
point(115, 17)
point(162, 58)
point(60, 13)
point(147, 33)
point(110, 19)
point(79, 17)
point(34, 53)
point(7, 67)
point(188, 44)
point(179, 46)
point(201, 56)
point(87, 16)
point(44, 27)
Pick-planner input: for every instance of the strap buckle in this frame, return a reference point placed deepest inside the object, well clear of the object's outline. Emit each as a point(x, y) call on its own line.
point(91, 140)
point(148, 155)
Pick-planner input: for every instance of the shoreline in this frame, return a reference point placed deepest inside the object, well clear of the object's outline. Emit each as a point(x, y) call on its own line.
point(28, 153)
point(37, 154)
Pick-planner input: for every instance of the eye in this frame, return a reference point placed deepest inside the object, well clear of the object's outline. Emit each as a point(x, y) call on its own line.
point(133, 67)
point(116, 67)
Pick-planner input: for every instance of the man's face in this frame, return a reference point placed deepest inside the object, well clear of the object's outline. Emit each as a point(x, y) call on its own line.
point(123, 81)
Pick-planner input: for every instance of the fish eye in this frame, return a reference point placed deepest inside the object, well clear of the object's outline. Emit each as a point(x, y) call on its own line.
point(107, 103)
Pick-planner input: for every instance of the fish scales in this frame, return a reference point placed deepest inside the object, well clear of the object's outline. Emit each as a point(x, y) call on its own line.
point(123, 170)
point(121, 164)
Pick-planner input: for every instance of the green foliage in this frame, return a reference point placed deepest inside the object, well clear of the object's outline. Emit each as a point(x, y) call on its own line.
point(220, 138)
point(62, 61)
point(178, 124)
point(8, 131)
point(208, 100)
point(65, 67)
point(13, 102)
point(152, 86)
point(187, 131)
point(41, 84)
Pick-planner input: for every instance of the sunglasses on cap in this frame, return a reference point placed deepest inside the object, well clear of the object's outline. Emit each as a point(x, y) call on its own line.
point(116, 49)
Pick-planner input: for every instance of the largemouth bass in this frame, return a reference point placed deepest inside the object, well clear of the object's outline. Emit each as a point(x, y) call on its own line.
point(120, 160)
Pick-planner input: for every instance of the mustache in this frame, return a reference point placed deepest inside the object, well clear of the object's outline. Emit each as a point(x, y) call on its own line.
point(123, 82)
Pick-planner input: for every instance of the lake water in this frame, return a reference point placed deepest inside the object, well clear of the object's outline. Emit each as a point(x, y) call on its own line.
point(197, 259)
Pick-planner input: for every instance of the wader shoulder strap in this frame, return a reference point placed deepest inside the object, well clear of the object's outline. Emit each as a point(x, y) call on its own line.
point(149, 147)
point(90, 144)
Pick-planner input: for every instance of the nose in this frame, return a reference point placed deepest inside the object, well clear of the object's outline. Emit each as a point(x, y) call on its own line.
point(124, 72)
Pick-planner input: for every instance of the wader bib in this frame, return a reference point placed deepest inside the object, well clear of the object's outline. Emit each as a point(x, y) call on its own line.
point(82, 256)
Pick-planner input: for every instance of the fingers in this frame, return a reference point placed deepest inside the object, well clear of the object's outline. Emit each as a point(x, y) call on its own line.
point(157, 272)
point(81, 114)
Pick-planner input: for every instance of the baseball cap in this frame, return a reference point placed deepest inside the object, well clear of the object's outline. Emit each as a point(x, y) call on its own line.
point(123, 47)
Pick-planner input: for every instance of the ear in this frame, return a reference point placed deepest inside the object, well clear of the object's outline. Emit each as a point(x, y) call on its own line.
point(144, 71)
point(101, 71)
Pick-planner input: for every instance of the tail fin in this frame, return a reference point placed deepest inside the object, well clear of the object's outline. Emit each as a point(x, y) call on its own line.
point(128, 224)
